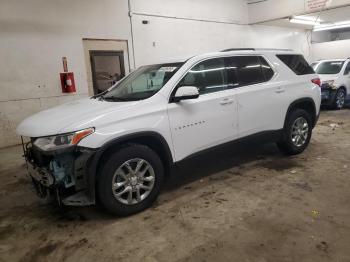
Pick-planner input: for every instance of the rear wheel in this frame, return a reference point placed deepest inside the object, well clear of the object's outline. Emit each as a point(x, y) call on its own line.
point(130, 180)
point(339, 99)
point(297, 132)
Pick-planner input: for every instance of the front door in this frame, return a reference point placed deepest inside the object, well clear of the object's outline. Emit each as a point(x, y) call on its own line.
point(209, 120)
point(107, 68)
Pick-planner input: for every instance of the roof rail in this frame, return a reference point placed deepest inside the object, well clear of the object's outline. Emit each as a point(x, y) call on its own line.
point(275, 49)
point(238, 49)
point(256, 49)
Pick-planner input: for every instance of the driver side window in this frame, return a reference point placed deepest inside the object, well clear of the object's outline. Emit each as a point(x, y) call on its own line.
point(208, 76)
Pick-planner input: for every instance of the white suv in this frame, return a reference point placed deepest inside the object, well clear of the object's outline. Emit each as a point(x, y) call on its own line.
point(119, 146)
point(335, 79)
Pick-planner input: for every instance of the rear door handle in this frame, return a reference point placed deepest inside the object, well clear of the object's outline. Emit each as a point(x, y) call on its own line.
point(280, 90)
point(226, 101)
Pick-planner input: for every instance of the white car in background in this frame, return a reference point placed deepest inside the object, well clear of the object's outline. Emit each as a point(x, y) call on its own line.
point(119, 146)
point(335, 81)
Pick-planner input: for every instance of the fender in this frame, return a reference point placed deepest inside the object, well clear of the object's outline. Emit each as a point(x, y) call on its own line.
point(300, 101)
point(97, 156)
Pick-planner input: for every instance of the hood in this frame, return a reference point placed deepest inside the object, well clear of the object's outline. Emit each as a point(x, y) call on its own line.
point(69, 117)
point(328, 77)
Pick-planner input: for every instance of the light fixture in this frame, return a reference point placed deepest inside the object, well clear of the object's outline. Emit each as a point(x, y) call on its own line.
point(305, 20)
point(333, 26)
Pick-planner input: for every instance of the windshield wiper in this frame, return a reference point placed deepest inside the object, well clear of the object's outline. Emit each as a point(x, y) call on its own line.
point(114, 98)
point(99, 95)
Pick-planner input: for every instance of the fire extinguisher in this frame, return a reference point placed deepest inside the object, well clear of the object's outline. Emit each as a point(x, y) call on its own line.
point(67, 82)
point(67, 78)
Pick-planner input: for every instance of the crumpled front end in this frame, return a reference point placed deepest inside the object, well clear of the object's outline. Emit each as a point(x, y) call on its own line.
point(328, 94)
point(60, 175)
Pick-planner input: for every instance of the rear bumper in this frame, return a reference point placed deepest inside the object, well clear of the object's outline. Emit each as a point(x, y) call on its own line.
point(61, 177)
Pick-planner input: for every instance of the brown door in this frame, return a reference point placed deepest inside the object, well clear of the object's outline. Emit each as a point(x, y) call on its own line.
point(107, 68)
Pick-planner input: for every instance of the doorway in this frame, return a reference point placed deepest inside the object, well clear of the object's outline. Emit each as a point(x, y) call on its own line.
point(107, 60)
point(107, 68)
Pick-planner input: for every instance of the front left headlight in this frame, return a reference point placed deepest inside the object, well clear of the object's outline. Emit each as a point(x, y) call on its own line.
point(62, 141)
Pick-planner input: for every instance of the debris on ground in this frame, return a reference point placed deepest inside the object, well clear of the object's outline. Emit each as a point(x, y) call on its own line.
point(303, 185)
point(315, 213)
point(334, 126)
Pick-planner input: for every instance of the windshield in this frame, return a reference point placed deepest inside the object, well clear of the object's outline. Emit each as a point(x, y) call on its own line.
point(142, 83)
point(329, 67)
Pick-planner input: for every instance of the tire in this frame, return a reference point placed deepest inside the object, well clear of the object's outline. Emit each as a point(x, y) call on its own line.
point(115, 172)
point(339, 99)
point(289, 143)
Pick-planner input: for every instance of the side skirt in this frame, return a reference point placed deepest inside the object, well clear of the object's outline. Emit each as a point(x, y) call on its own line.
point(258, 138)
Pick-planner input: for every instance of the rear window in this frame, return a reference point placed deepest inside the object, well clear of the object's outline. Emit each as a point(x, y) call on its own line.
point(297, 64)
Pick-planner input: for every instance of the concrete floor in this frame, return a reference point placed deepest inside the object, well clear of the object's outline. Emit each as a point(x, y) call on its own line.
point(246, 204)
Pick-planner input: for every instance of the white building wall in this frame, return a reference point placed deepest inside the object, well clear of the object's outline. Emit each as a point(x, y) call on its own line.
point(331, 50)
point(36, 34)
point(219, 10)
point(154, 42)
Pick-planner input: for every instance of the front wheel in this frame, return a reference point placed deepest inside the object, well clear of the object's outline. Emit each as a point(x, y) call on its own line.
point(339, 99)
point(296, 133)
point(130, 180)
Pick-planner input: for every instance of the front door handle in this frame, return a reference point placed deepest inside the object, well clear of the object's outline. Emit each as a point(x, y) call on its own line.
point(226, 101)
point(280, 90)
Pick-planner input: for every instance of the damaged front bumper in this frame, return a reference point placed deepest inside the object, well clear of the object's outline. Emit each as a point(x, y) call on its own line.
point(62, 176)
point(327, 94)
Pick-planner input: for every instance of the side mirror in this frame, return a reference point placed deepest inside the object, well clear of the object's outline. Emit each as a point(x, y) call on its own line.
point(185, 92)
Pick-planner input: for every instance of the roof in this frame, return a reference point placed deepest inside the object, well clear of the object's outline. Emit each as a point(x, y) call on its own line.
point(257, 49)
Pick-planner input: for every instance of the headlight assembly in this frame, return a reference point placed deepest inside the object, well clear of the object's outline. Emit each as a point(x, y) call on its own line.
point(62, 141)
point(330, 83)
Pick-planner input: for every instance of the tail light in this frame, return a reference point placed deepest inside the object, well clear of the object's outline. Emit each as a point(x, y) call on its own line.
point(316, 81)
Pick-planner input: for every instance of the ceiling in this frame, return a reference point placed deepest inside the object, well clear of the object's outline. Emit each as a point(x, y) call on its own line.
point(327, 16)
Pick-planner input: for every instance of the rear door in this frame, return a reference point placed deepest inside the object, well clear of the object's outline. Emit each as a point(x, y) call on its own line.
point(259, 100)
point(209, 120)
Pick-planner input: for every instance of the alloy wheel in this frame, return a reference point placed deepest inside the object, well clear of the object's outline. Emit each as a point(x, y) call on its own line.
point(300, 131)
point(340, 99)
point(133, 181)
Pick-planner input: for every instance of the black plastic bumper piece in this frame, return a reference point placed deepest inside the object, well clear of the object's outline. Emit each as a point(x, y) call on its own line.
point(327, 96)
